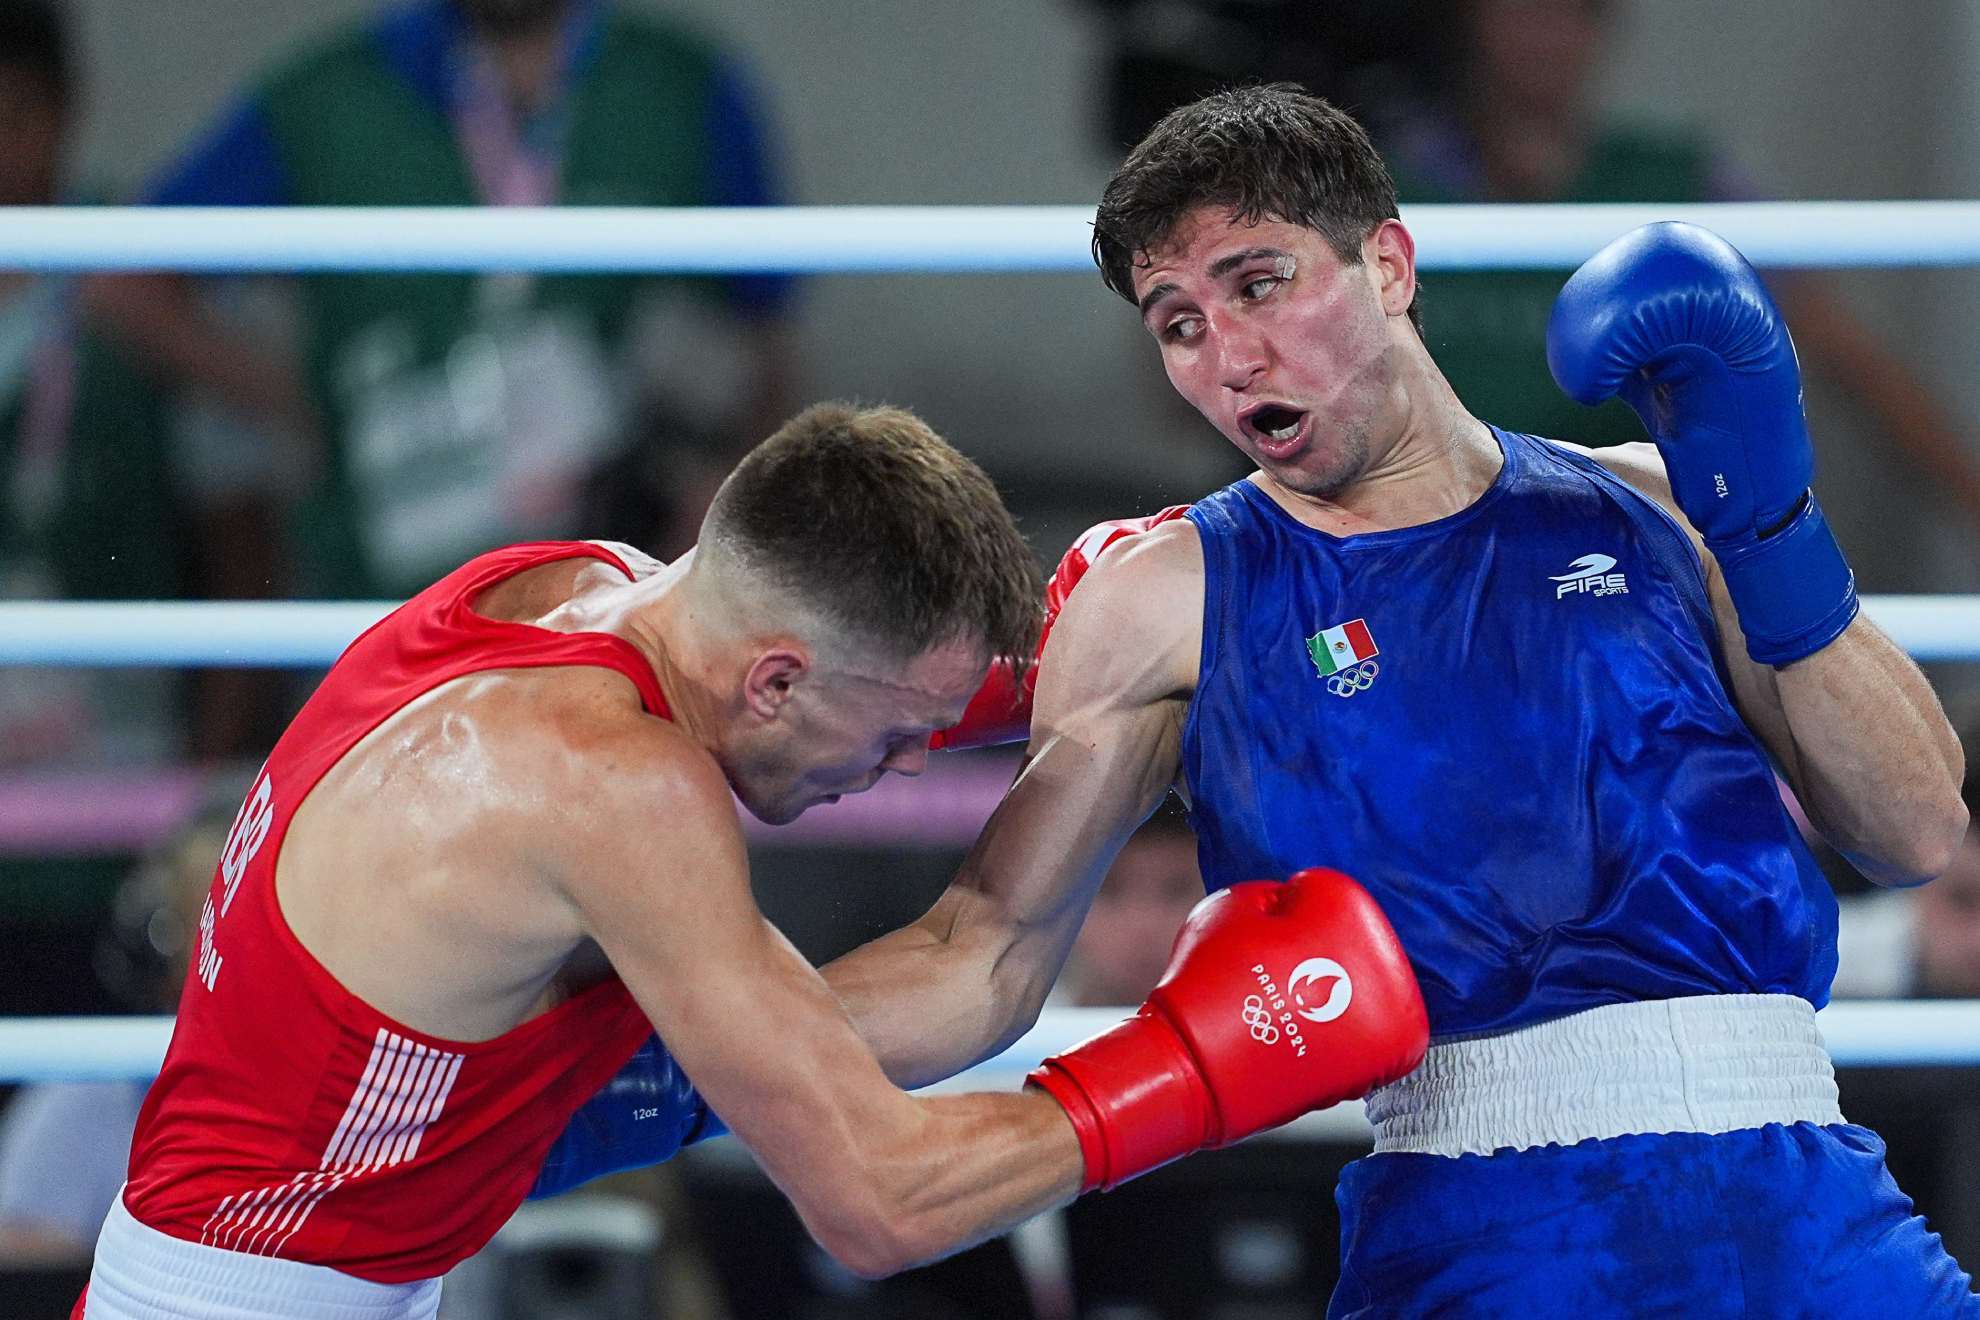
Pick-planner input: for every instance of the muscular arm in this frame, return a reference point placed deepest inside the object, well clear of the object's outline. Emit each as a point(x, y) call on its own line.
point(1854, 727)
point(970, 976)
point(882, 1180)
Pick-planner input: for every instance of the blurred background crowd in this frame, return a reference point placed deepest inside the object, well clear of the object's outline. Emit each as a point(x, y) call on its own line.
point(352, 436)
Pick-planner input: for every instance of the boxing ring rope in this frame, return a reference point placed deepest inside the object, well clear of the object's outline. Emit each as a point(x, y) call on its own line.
point(899, 239)
point(311, 634)
point(845, 240)
point(1861, 1033)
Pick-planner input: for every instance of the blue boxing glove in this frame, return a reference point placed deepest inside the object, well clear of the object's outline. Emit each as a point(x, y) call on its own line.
point(1672, 318)
point(646, 1113)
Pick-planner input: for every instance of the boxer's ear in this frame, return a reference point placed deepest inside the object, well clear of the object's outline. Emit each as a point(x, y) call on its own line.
point(773, 677)
point(1390, 256)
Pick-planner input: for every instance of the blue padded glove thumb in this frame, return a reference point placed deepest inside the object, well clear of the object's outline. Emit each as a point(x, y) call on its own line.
point(1674, 320)
point(644, 1115)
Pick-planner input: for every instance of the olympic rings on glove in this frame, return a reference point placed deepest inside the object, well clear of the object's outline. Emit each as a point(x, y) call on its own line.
point(1259, 1019)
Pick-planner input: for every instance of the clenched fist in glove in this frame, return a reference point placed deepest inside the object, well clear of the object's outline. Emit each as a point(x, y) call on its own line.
point(1674, 320)
point(1279, 999)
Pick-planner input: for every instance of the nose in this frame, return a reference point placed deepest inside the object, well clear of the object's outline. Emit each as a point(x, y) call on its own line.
point(1240, 356)
point(909, 759)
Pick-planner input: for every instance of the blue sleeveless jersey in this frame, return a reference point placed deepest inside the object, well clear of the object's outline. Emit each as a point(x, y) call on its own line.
point(1510, 725)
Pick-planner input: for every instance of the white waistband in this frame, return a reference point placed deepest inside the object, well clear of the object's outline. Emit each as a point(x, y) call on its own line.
point(1710, 1063)
point(143, 1274)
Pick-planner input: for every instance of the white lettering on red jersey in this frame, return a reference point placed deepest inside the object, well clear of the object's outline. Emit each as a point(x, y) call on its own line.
point(291, 1118)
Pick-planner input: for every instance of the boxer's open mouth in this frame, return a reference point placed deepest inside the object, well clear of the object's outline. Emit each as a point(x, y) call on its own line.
point(1275, 422)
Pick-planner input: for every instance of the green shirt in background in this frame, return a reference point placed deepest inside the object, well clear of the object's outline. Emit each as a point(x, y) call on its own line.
point(1488, 329)
point(464, 411)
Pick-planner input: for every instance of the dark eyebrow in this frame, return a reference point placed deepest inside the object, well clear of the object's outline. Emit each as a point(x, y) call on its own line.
point(1155, 295)
point(1219, 268)
point(1225, 265)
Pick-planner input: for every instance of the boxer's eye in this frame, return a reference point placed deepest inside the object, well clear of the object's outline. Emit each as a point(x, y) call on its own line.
point(1181, 329)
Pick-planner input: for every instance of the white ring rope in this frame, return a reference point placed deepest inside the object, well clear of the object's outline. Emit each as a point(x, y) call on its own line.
point(872, 239)
point(1861, 1033)
point(311, 634)
point(847, 240)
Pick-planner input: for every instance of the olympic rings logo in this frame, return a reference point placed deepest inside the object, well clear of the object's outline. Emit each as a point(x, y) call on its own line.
point(1358, 679)
point(1259, 1019)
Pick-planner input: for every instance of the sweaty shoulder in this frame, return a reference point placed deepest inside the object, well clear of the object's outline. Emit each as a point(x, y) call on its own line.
point(592, 726)
point(625, 778)
point(1134, 629)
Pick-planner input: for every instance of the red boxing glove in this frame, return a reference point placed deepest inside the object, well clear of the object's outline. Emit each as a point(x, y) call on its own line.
point(1000, 712)
point(1279, 999)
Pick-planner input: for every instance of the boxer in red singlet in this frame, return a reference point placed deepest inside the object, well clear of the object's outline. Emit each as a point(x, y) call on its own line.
point(497, 851)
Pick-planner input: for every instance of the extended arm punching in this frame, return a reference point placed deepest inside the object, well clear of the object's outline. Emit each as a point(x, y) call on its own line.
point(883, 1179)
point(1105, 747)
point(649, 1110)
point(1673, 319)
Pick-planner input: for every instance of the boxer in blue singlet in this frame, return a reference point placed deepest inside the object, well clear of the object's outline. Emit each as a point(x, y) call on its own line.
point(1534, 697)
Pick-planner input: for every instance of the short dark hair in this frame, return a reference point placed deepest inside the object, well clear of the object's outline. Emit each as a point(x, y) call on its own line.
point(35, 39)
point(891, 533)
point(1274, 152)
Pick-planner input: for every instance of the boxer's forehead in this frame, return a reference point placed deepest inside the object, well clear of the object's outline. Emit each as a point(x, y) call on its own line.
point(1210, 241)
point(930, 688)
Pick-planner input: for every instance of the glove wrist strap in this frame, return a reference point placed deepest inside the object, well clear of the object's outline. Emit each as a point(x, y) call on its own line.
point(1135, 1097)
point(1793, 590)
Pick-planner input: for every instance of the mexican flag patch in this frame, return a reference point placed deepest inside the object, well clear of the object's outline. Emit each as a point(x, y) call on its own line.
point(1336, 648)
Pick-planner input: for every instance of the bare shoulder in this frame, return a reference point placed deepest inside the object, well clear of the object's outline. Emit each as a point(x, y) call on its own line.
point(1135, 624)
point(1639, 464)
point(618, 749)
point(609, 777)
point(1145, 578)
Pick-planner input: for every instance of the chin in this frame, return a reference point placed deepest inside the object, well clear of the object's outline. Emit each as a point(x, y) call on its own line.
point(1322, 476)
point(770, 810)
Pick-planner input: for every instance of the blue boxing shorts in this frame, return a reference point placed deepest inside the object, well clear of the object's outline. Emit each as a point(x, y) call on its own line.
point(1681, 1157)
point(1780, 1220)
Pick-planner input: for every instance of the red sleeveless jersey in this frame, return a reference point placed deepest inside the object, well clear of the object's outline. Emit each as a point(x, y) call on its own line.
point(291, 1118)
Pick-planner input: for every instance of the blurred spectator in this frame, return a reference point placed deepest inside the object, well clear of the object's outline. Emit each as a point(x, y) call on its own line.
point(1165, 53)
point(448, 413)
point(84, 491)
point(95, 500)
point(1946, 952)
point(1919, 943)
point(1519, 119)
point(1124, 946)
point(64, 1146)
